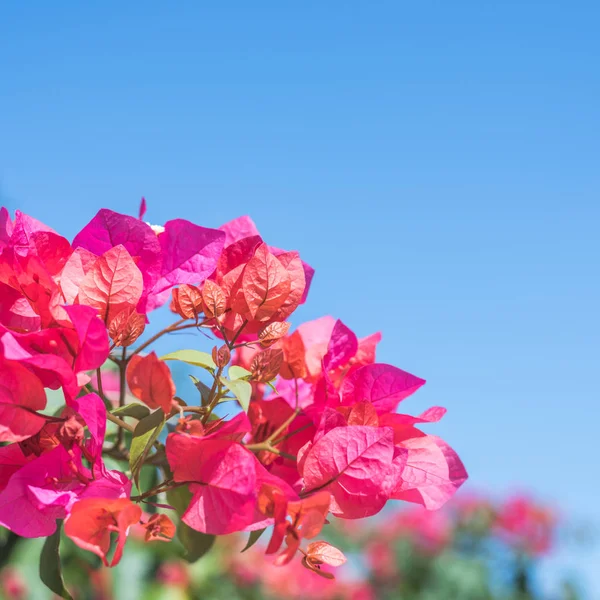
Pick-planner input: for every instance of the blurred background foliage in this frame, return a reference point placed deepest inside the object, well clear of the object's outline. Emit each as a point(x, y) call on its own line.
point(473, 550)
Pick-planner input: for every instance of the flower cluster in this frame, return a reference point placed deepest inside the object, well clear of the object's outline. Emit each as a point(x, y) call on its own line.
point(315, 433)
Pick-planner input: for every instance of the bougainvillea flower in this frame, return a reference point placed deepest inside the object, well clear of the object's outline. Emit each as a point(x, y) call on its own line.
point(143, 209)
point(433, 472)
point(359, 466)
point(181, 253)
point(159, 528)
point(73, 272)
point(318, 433)
point(93, 412)
point(52, 370)
point(267, 416)
point(361, 413)
point(430, 530)
point(45, 487)
point(222, 478)
point(21, 395)
point(126, 327)
point(235, 429)
point(383, 385)
point(306, 519)
point(12, 458)
point(225, 479)
point(93, 520)
point(187, 301)
point(322, 553)
point(23, 230)
point(150, 381)
point(109, 229)
point(243, 228)
point(526, 525)
point(26, 281)
point(16, 312)
point(326, 345)
point(189, 255)
point(39, 493)
point(238, 229)
point(59, 356)
point(92, 349)
point(262, 285)
point(113, 283)
point(6, 227)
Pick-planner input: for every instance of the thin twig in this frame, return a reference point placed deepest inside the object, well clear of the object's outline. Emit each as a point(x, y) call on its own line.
point(158, 490)
point(214, 395)
point(177, 326)
point(237, 334)
point(287, 422)
point(122, 390)
point(287, 436)
point(266, 447)
point(119, 422)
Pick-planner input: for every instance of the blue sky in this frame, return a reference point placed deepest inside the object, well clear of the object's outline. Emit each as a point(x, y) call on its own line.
point(437, 163)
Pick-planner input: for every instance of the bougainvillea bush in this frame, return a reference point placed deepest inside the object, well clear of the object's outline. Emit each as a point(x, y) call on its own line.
point(285, 429)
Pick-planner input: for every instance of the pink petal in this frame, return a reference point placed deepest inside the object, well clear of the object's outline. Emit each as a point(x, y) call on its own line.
point(234, 429)
point(109, 229)
point(342, 346)
point(383, 385)
point(315, 336)
point(431, 415)
point(190, 254)
point(433, 472)
point(6, 227)
point(93, 339)
point(237, 229)
point(31, 503)
point(357, 466)
point(53, 371)
point(92, 410)
point(142, 210)
point(11, 460)
point(16, 312)
point(224, 485)
point(73, 272)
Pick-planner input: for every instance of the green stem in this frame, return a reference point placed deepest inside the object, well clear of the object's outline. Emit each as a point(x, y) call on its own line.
point(266, 447)
point(287, 436)
point(122, 425)
point(214, 395)
point(122, 391)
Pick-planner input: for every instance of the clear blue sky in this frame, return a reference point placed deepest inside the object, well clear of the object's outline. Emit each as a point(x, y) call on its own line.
point(436, 162)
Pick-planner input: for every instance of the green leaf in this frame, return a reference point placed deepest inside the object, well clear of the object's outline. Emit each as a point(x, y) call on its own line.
point(270, 384)
point(203, 389)
point(137, 411)
point(50, 571)
point(192, 357)
point(196, 544)
point(253, 538)
point(236, 372)
point(179, 498)
point(241, 389)
point(144, 435)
